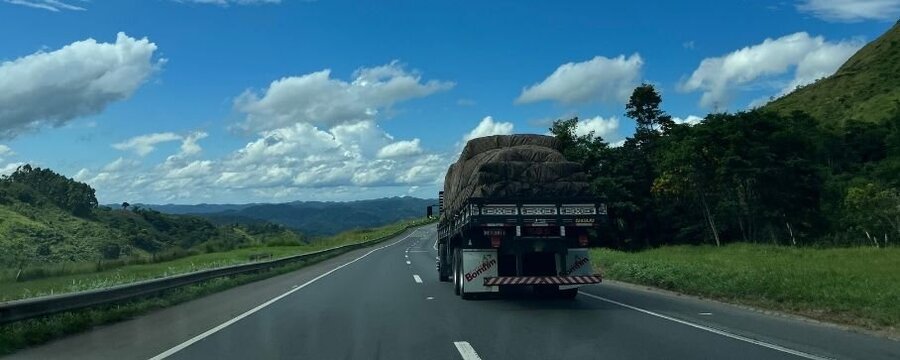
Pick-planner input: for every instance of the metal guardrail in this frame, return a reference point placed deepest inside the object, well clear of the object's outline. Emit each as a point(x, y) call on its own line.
point(16, 310)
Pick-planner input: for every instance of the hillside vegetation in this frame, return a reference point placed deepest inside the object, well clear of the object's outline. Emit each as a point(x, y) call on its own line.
point(864, 88)
point(49, 220)
point(799, 178)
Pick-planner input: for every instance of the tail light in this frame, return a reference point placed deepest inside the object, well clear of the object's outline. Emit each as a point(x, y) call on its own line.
point(495, 241)
point(582, 240)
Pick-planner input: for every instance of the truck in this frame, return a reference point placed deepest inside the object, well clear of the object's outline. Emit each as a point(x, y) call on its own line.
point(515, 212)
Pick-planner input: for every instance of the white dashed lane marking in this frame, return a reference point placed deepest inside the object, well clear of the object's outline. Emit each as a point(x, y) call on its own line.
point(466, 350)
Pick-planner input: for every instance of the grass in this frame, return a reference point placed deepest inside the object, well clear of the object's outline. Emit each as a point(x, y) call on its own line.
point(21, 334)
point(80, 280)
point(30, 332)
point(856, 286)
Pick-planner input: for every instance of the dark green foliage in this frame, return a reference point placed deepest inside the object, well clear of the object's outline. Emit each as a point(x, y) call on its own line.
point(755, 176)
point(76, 197)
point(51, 225)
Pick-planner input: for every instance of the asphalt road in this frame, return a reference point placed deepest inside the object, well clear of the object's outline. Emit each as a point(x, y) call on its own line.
point(386, 303)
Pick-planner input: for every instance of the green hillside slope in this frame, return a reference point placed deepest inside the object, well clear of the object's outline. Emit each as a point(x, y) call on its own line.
point(864, 88)
point(48, 219)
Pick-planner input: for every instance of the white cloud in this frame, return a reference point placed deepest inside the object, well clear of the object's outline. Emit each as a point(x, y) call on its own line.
point(49, 5)
point(189, 144)
point(321, 150)
point(323, 101)
point(599, 79)
point(851, 10)
point(145, 144)
point(401, 148)
point(690, 120)
point(809, 57)
point(488, 127)
point(80, 79)
point(5, 151)
point(117, 165)
point(10, 168)
point(604, 128)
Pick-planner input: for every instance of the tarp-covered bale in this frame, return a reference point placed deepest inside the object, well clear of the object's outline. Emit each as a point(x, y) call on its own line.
point(512, 167)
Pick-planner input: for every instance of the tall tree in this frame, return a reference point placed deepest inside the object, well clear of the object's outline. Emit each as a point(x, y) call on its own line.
point(643, 107)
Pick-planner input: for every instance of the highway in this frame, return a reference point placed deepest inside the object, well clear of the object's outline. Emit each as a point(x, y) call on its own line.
point(385, 302)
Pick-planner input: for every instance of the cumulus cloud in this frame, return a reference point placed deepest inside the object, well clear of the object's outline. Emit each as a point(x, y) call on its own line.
point(604, 128)
point(10, 168)
point(690, 120)
point(5, 151)
point(599, 79)
point(189, 144)
point(80, 79)
point(145, 144)
point(323, 101)
point(330, 145)
point(851, 10)
point(49, 5)
point(400, 149)
point(809, 57)
point(488, 127)
point(120, 164)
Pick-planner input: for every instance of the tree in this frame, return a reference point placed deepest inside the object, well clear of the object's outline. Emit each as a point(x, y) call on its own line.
point(643, 107)
point(874, 211)
point(125, 205)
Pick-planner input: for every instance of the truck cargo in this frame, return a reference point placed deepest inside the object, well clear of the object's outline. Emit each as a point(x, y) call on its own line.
point(514, 212)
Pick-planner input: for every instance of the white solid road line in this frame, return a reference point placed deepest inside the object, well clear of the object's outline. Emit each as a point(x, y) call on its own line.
point(466, 350)
point(223, 325)
point(417, 279)
point(712, 330)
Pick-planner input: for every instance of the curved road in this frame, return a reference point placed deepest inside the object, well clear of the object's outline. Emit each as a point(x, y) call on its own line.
point(386, 303)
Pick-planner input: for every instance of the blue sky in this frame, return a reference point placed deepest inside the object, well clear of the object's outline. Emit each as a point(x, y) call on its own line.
point(244, 101)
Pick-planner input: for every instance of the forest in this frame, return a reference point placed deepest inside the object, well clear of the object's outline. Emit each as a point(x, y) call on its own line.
point(755, 176)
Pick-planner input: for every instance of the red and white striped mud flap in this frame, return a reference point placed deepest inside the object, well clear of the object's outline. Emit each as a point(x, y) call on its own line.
point(542, 280)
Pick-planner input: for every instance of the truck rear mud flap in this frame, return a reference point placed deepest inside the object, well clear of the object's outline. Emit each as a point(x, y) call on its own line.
point(542, 280)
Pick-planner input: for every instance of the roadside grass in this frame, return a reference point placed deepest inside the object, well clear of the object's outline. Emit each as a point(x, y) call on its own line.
point(30, 332)
point(10, 289)
point(22, 334)
point(856, 286)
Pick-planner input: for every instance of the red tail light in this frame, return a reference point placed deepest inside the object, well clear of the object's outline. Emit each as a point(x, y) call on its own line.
point(495, 241)
point(582, 240)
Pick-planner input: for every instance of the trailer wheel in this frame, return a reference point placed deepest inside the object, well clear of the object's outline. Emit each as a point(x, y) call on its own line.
point(457, 272)
point(567, 294)
point(443, 272)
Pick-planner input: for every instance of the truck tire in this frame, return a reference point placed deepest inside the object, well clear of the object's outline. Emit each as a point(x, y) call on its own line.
point(567, 294)
point(443, 271)
point(457, 272)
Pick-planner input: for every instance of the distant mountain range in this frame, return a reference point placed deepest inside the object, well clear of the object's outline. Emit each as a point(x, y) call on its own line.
point(313, 218)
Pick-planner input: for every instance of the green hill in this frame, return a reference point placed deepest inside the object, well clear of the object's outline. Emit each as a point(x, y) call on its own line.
point(46, 218)
point(864, 88)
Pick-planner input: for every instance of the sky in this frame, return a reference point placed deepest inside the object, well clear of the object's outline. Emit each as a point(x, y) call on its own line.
point(238, 101)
